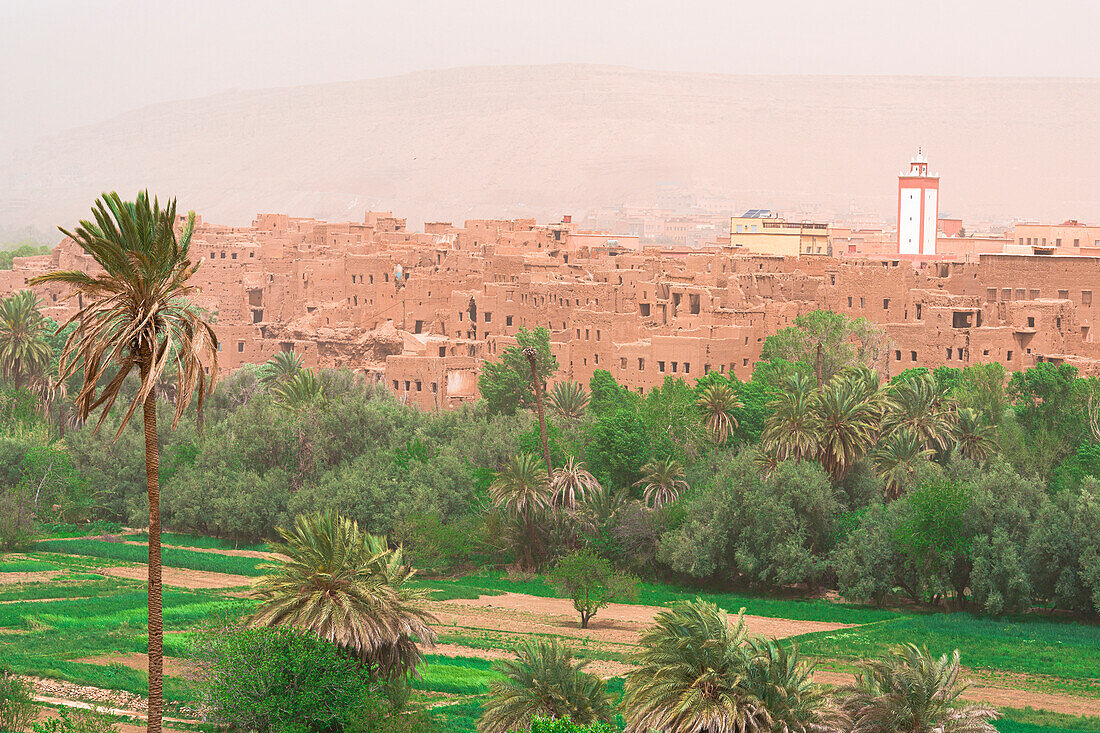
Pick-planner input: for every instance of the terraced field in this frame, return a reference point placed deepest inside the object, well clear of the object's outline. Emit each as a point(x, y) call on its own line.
point(73, 611)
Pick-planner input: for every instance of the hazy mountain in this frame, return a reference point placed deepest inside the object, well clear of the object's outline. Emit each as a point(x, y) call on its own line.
point(557, 139)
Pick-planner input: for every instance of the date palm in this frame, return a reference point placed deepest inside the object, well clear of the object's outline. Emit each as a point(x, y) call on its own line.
point(544, 680)
point(569, 399)
point(846, 424)
point(923, 407)
point(304, 388)
point(783, 683)
point(910, 691)
point(791, 431)
point(662, 482)
point(137, 317)
point(717, 404)
point(571, 483)
point(280, 368)
point(975, 438)
point(897, 459)
point(349, 588)
point(690, 675)
point(522, 490)
point(24, 349)
point(532, 355)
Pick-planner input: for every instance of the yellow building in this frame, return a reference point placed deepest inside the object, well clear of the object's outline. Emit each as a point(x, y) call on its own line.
point(760, 231)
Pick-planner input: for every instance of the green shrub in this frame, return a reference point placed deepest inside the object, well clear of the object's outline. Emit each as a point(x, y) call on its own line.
point(278, 680)
point(565, 725)
point(17, 708)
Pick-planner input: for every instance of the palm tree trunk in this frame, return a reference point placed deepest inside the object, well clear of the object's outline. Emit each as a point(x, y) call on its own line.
point(156, 620)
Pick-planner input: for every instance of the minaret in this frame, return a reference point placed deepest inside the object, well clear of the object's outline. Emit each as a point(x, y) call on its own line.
point(918, 208)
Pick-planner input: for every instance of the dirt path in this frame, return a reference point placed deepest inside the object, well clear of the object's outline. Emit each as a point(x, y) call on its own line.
point(180, 578)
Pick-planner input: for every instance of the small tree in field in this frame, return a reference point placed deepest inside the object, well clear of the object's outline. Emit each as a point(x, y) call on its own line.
point(592, 582)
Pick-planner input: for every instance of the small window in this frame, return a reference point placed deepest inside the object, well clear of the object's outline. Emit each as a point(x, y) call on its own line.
point(442, 350)
point(661, 366)
point(687, 368)
point(507, 320)
point(488, 317)
point(622, 362)
point(240, 347)
point(1063, 295)
point(1031, 321)
point(641, 364)
point(886, 304)
point(912, 356)
point(949, 353)
point(1086, 297)
point(1009, 357)
point(897, 355)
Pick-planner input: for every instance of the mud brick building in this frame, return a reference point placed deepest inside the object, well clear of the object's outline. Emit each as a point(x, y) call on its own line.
point(420, 311)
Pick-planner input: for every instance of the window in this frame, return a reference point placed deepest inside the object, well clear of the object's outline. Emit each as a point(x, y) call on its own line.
point(949, 353)
point(660, 366)
point(849, 301)
point(897, 355)
point(1076, 242)
point(687, 368)
point(912, 356)
point(991, 295)
point(419, 386)
point(1031, 321)
point(240, 347)
point(641, 364)
point(442, 350)
point(488, 317)
point(862, 302)
point(675, 366)
point(395, 387)
point(508, 321)
point(1063, 295)
point(886, 304)
point(1086, 297)
point(233, 256)
point(1033, 295)
point(597, 334)
point(622, 362)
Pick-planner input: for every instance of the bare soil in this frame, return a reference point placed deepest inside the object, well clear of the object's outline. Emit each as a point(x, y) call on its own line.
point(180, 578)
point(173, 667)
point(35, 577)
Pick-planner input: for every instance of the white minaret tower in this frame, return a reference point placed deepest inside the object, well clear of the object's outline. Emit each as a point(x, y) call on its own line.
point(918, 208)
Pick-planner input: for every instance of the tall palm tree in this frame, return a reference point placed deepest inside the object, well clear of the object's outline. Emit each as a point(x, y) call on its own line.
point(24, 350)
point(897, 458)
point(791, 431)
point(569, 399)
point(717, 404)
point(662, 482)
point(975, 438)
point(348, 587)
point(52, 391)
point(280, 368)
point(521, 489)
point(544, 680)
point(689, 675)
point(783, 684)
point(571, 483)
point(846, 424)
point(532, 356)
point(923, 407)
point(137, 317)
point(909, 691)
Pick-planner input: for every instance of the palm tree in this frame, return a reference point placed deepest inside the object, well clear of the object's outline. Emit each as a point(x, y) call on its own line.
point(569, 399)
point(923, 407)
point(662, 482)
point(52, 391)
point(544, 680)
point(846, 423)
point(280, 368)
point(909, 691)
point(570, 483)
point(137, 317)
point(897, 459)
point(348, 587)
point(304, 388)
point(24, 349)
point(783, 684)
point(975, 438)
point(532, 356)
point(717, 404)
point(792, 429)
point(521, 489)
point(689, 675)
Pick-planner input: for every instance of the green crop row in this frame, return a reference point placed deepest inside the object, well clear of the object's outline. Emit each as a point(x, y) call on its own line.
point(170, 556)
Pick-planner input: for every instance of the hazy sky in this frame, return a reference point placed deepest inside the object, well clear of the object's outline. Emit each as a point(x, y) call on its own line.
point(70, 62)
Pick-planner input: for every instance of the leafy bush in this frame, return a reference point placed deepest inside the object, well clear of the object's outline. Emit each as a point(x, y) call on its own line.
point(17, 524)
point(17, 708)
point(592, 583)
point(565, 725)
point(275, 680)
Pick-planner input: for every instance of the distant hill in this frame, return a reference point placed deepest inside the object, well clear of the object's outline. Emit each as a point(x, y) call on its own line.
point(546, 140)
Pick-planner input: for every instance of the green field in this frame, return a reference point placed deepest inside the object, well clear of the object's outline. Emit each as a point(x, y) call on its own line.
point(79, 614)
point(171, 557)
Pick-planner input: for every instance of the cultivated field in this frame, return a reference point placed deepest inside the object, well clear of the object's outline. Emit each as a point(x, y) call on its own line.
point(72, 614)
